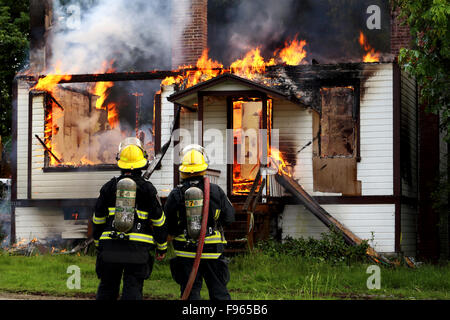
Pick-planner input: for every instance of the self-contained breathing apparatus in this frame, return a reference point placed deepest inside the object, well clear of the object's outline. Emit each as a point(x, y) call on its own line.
point(131, 155)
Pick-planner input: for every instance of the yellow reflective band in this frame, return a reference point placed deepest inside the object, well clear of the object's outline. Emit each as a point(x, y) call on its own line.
point(96, 243)
point(162, 246)
point(96, 220)
point(132, 236)
point(215, 238)
point(185, 254)
point(159, 222)
point(112, 211)
point(212, 239)
point(181, 237)
point(216, 216)
point(142, 214)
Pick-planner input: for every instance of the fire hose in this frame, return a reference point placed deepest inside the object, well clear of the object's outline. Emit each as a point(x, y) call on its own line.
point(201, 241)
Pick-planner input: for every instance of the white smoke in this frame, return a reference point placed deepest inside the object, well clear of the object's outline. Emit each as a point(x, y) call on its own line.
point(137, 35)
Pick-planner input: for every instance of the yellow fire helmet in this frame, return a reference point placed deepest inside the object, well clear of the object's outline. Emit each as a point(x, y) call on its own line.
point(194, 160)
point(131, 154)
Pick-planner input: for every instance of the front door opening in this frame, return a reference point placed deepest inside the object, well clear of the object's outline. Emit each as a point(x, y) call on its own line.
point(248, 139)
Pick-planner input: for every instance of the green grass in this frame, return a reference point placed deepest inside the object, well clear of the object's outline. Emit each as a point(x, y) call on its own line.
point(254, 277)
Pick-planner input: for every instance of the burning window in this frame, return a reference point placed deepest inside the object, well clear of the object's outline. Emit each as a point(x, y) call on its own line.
point(85, 122)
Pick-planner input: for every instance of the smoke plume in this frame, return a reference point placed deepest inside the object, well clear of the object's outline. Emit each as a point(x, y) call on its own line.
point(137, 35)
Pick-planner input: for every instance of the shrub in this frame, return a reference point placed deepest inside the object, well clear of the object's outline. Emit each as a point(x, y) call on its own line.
point(330, 247)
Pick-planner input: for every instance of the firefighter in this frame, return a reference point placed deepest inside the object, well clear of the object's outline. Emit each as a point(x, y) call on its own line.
point(129, 225)
point(213, 266)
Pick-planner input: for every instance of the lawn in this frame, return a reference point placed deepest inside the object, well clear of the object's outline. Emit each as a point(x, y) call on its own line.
point(255, 276)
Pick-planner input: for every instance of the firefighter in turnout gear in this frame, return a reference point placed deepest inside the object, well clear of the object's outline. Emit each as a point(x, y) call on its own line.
point(129, 225)
point(184, 225)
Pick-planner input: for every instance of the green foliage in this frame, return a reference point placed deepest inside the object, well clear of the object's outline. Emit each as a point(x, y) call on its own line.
point(330, 247)
point(14, 32)
point(429, 58)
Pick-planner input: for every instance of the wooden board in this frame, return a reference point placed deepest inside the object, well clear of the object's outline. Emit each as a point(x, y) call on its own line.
point(336, 175)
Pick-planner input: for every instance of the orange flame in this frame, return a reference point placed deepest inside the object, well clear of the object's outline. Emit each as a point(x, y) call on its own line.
point(102, 90)
point(49, 82)
point(252, 64)
point(206, 69)
point(371, 55)
point(276, 159)
point(293, 53)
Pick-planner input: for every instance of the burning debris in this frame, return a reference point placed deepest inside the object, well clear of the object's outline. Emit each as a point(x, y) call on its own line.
point(34, 247)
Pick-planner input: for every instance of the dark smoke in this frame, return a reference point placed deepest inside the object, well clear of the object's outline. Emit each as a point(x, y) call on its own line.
point(330, 27)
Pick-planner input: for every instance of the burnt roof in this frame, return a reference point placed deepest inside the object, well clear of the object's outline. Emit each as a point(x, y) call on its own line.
point(228, 77)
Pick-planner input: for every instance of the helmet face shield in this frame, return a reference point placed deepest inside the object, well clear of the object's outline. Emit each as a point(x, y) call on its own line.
point(194, 159)
point(195, 147)
point(130, 141)
point(131, 154)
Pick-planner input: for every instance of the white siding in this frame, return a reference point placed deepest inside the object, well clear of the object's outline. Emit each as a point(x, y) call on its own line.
point(22, 139)
point(47, 224)
point(294, 125)
point(375, 171)
point(369, 222)
point(215, 126)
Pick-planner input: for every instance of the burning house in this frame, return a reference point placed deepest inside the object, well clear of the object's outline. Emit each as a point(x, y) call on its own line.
point(311, 144)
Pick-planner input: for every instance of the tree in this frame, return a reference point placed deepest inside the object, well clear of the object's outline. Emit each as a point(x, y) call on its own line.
point(429, 58)
point(14, 34)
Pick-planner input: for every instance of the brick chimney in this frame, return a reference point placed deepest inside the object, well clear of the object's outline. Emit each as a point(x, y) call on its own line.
point(40, 24)
point(190, 20)
point(400, 34)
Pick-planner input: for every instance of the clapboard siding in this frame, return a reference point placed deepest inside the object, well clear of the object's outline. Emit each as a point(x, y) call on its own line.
point(375, 171)
point(408, 236)
point(409, 162)
point(376, 131)
point(294, 125)
point(409, 138)
point(47, 224)
point(22, 139)
point(215, 126)
point(377, 225)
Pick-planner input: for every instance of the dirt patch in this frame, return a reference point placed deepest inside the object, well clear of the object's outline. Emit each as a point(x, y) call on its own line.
point(42, 296)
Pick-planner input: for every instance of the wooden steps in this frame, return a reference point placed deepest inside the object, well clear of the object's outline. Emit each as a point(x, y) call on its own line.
point(240, 235)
